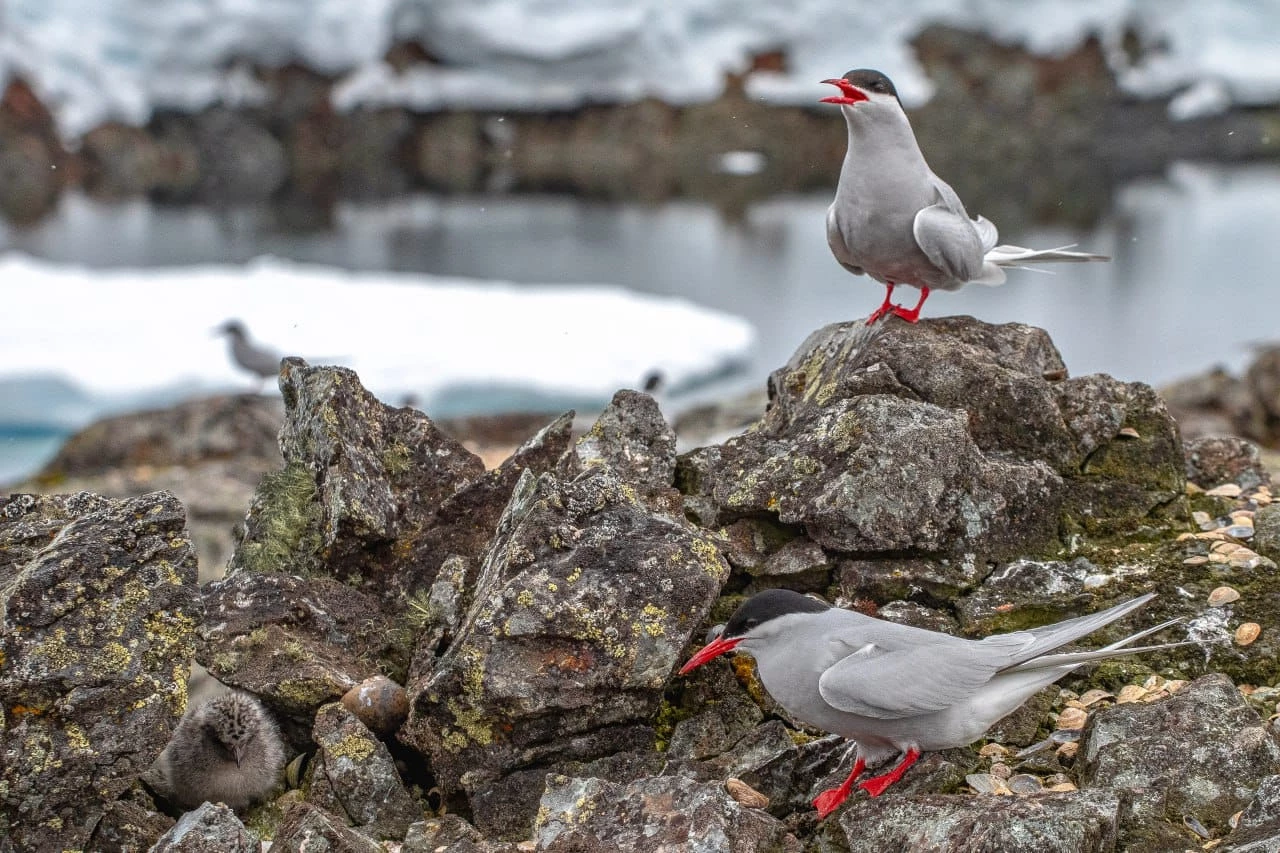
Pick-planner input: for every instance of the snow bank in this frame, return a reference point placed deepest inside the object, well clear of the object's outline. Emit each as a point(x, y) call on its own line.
point(122, 58)
point(146, 334)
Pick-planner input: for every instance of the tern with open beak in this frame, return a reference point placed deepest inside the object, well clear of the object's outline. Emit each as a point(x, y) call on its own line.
point(895, 690)
point(895, 220)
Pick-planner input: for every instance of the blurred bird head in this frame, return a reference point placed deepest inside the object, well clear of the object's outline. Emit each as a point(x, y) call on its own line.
point(232, 328)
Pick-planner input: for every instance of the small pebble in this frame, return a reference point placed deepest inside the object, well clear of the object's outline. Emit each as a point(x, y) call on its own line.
point(1202, 519)
point(1072, 718)
point(1191, 823)
point(1247, 633)
point(1056, 779)
point(993, 750)
point(1062, 787)
point(1240, 531)
point(379, 703)
point(1226, 490)
point(985, 783)
point(1001, 771)
point(1223, 595)
point(1025, 783)
point(745, 794)
point(1130, 693)
point(1090, 697)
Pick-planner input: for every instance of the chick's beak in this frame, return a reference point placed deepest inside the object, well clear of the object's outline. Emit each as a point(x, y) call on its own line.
point(237, 752)
point(710, 651)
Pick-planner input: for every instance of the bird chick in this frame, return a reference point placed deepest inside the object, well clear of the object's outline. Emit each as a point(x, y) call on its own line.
point(260, 361)
point(226, 750)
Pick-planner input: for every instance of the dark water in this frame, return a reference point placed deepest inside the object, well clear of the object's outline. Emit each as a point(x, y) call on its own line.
point(1193, 282)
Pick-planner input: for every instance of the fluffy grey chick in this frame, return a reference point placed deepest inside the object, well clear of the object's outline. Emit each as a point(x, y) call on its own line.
point(226, 750)
point(258, 360)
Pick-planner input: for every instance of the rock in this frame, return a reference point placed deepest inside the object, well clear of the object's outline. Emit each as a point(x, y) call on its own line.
point(983, 458)
point(210, 452)
point(584, 605)
point(1259, 828)
point(918, 616)
point(309, 829)
point(379, 703)
point(1266, 531)
point(212, 828)
point(634, 440)
point(97, 616)
point(30, 154)
point(1214, 460)
point(1026, 593)
point(296, 643)
point(429, 836)
point(353, 775)
point(190, 433)
point(375, 495)
point(240, 160)
point(130, 823)
point(1075, 822)
point(667, 812)
point(1203, 752)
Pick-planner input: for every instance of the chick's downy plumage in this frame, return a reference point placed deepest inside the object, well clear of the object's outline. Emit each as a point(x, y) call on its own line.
point(226, 750)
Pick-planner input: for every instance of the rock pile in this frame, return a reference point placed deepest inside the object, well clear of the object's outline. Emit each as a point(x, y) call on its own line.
point(948, 474)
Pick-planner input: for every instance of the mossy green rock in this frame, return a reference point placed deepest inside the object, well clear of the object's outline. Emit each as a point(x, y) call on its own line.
point(98, 612)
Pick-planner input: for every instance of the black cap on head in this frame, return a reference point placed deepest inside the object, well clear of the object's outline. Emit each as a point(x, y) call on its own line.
point(770, 604)
point(871, 81)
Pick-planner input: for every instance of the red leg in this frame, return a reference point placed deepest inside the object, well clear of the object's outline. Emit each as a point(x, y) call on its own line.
point(886, 307)
point(876, 785)
point(830, 799)
point(914, 314)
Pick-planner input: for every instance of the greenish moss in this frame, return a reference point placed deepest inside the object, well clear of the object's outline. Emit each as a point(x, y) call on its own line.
point(397, 459)
point(286, 535)
point(351, 746)
point(664, 723)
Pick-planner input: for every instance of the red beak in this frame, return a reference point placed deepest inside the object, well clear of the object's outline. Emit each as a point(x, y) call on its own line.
point(710, 651)
point(849, 93)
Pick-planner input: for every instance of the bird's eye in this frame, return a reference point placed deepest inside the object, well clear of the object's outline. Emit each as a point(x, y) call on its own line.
point(750, 623)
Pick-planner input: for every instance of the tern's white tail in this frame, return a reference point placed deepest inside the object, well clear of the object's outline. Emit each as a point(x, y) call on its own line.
point(999, 257)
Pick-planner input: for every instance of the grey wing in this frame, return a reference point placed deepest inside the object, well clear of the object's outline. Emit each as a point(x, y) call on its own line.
point(950, 241)
point(887, 685)
point(835, 239)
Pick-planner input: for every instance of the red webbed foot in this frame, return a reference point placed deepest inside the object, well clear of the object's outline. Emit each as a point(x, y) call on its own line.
point(830, 799)
point(876, 785)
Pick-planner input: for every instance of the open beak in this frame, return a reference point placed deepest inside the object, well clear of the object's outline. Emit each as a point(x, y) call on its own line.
point(849, 93)
point(710, 651)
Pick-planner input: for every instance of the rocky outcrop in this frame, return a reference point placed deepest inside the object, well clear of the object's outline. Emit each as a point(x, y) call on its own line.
point(919, 416)
point(98, 611)
point(528, 619)
point(584, 603)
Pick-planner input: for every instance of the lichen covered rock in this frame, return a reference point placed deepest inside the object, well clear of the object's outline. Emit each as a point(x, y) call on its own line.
point(353, 775)
point(212, 828)
point(99, 609)
point(1077, 822)
point(948, 438)
point(667, 813)
point(1201, 752)
point(310, 829)
point(585, 602)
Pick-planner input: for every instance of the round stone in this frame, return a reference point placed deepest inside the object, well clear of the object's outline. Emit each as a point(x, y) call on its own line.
point(379, 703)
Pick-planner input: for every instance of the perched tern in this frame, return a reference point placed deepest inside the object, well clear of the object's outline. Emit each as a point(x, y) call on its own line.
point(895, 220)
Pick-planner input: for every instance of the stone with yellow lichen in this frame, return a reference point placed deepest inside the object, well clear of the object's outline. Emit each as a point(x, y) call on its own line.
point(99, 609)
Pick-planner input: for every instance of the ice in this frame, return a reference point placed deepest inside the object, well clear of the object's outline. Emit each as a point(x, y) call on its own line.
point(126, 334)
point(122, 59)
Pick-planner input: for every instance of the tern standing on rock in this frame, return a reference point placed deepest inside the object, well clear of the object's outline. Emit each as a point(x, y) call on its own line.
point(895, 220)
point(260, 361)
point(896, 690)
